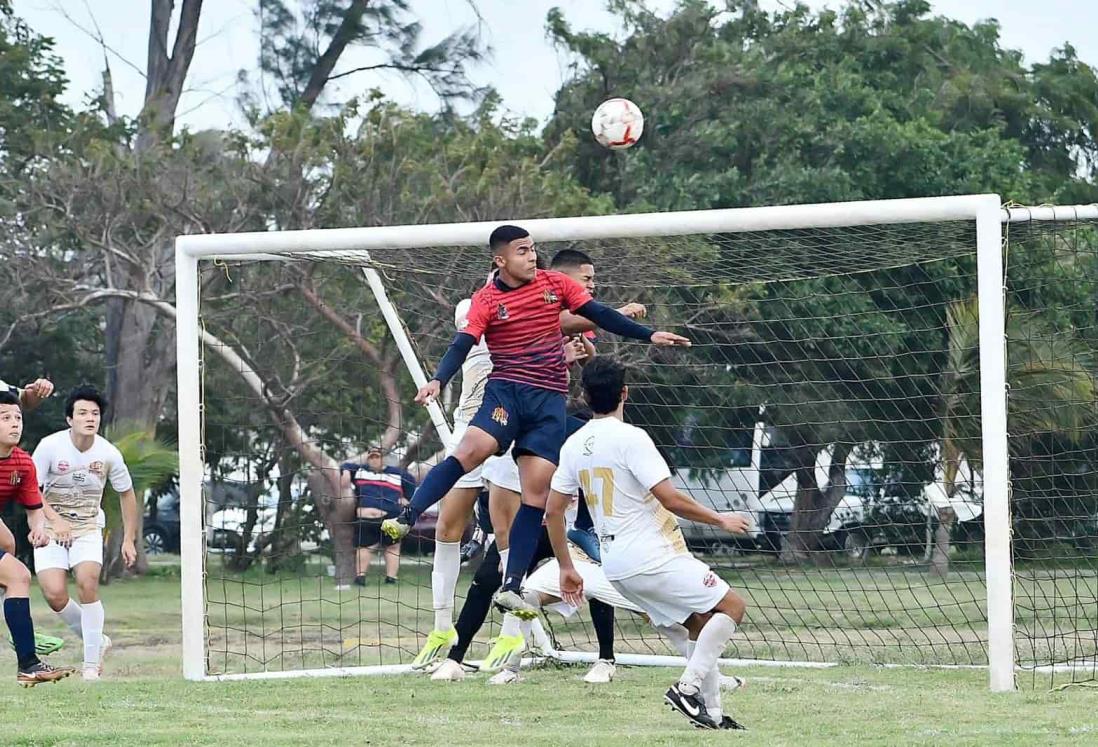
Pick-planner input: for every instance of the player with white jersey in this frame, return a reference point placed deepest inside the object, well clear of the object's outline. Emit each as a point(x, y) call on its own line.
point(74, 467)
point(628, 488)
point(458, 503)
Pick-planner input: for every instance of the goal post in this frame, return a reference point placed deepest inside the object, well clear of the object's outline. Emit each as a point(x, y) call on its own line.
point(982, 214)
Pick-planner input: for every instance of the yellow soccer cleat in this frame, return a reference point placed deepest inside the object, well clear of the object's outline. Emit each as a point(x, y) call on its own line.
point(396, 529)
point(437, 642)
point(506, 646)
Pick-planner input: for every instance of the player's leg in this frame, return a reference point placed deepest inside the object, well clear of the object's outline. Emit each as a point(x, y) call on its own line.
point(86, 556)
point(15, 579)
point(491, 430)
point(392, 559)
point(602, 620)
point(44, 645)
point(478, 601)
point(457, 509)
point(367, 539)
point(711, 632)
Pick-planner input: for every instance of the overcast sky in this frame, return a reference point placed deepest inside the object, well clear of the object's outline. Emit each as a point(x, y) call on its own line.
point(524, 67)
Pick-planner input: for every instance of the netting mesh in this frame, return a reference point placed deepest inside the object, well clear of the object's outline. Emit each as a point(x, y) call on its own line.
point(832, 391)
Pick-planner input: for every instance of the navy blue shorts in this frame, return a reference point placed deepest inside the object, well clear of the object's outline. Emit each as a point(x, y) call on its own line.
point(531, 418)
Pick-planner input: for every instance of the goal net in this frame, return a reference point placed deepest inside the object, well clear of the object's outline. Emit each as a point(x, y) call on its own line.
point(846, 388)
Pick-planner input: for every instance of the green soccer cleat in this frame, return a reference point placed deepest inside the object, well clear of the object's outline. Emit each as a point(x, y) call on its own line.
point(511, 601)
point(396, 529)
point(437, 642)
point(44, 645)
point(506, 646)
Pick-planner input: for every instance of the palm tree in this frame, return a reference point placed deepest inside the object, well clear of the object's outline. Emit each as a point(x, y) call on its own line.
point(150, 462)
point(1052, 390)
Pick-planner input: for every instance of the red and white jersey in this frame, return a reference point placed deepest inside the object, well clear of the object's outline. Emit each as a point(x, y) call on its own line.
point(73, 481)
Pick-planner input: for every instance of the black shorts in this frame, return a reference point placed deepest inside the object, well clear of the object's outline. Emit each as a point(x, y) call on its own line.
point(531, 418)
point(368, 534)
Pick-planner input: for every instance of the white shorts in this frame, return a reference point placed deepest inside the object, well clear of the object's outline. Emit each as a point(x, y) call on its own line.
point(470, 479)
point(87, 548)
point(674, 591)
point(503, 471)
point(546, 580)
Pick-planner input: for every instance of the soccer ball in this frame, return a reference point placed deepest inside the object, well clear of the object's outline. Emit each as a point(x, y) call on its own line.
point(617, 124)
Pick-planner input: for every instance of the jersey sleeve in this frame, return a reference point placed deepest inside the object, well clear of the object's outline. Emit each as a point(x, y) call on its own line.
point(43, 458)
point(119, 474)
point(29, 495)
point(476, 320)
point(644, 460)
point(565, 479)
point(572, 294)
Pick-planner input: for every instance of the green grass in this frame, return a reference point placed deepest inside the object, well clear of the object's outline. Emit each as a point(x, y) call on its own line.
point(143, 700)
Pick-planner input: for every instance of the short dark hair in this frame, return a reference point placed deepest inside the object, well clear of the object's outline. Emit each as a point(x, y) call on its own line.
point(88, 393)
point(10, 398)
point(603, 380)
point(570, 258)
point(504, 235)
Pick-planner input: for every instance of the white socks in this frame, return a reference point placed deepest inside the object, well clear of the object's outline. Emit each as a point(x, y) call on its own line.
point(91, 622)
point(444, 577)
point(711, 694)
point(707, 649)
point(503, 560)
point(72, 615)
point(678, 637)
point(512, 626)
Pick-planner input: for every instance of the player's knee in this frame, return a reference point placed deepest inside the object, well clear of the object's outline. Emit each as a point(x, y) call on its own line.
point(15, 577)
point(473, 452)
point(734, 606)
point(448, 529)
point(88, 590)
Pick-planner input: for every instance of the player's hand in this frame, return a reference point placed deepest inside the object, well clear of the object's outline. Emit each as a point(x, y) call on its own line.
point(62, 532)
point(38, 537)
point(428, 392)
point(39, 388)
point(735, 523)
point(634, 310)
point(129, 553)
point(571, 586)
point(669, 339)
point(574, 350)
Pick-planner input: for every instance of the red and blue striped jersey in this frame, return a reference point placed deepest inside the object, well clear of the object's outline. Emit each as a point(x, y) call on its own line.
point(19, 480)
point(522, 328)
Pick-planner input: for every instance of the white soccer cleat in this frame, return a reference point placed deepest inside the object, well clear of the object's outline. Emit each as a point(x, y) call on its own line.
point(504, 677)
point(730, 683)
point(449, 671)
point(104, 646)
point(511, 601)
point(601, 673)
point(90, 674)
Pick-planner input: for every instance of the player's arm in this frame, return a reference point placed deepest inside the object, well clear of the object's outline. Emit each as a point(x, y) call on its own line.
point(131, 516)
point(562, 488)
point(34, 393)
point(31, 498)
point(573, 324)
point(684, 506)
point(476, 321)
point(36, 519)
point(614, 321)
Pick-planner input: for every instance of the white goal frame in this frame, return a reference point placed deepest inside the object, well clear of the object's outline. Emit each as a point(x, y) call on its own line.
point(984, 210)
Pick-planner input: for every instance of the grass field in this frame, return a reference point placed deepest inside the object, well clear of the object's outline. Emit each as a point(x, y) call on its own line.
point(144, 700)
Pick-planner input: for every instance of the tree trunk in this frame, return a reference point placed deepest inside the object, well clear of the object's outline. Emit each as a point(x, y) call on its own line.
point(812, 507)
point(338, 513)
point(943, 533)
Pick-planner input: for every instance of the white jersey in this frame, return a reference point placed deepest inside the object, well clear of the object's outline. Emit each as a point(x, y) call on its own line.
point(474, 371)
point(73, 481)
point(617, 465)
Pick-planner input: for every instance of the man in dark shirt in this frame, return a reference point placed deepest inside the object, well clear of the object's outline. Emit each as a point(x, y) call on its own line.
point(380, 493)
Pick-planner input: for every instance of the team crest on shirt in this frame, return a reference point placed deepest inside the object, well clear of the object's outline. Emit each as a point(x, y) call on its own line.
point(501, 312)
point(16, 477)
point(500, 416)
point(551, 296)
point(62, 467)
point(710, 580)
point(589, 446)
point(96, 468)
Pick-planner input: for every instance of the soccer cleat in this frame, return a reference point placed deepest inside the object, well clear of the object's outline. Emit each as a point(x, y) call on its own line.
point(505, 647)
point(727, 722)
point(90, 674)
point(42, 672)
point(689, 705)
point(504, 677)
point(104, 646)
point(449, 671)
point(437, 642)
point(397, 528)
point(601, 673)
point(44, 645)
point(730, 683)
point(511, 601)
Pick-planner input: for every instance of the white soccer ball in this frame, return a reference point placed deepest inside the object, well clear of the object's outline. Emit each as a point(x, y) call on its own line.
point(617, 124)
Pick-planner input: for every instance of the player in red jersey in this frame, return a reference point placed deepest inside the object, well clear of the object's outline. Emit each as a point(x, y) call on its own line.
point(19, 482)
point(524, 401)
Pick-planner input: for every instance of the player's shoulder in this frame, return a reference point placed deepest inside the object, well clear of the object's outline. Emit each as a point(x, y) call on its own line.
point(107, 448)
point(482, 295)
point(53, 439)
point(553, 277)
point(20, 458)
